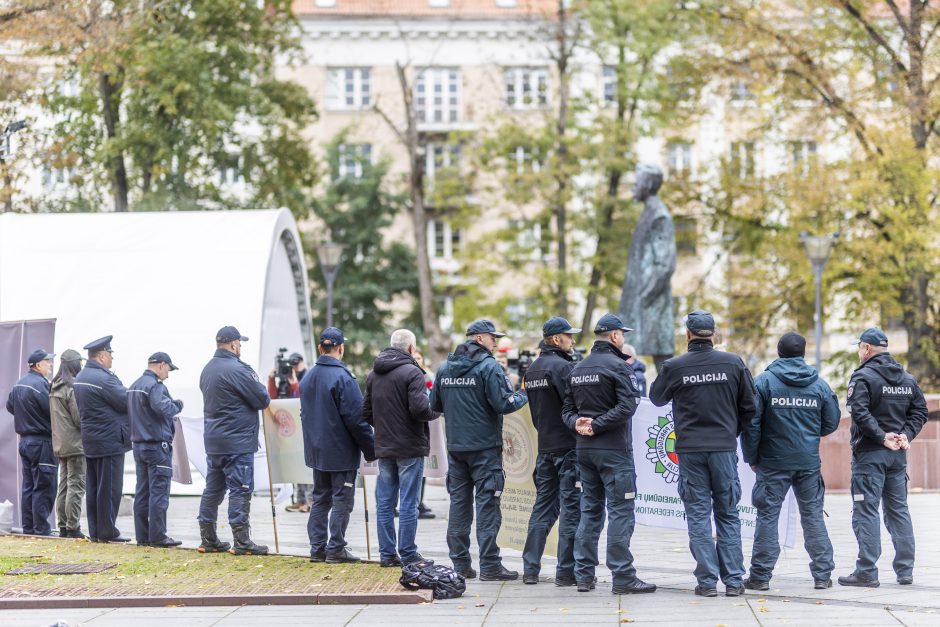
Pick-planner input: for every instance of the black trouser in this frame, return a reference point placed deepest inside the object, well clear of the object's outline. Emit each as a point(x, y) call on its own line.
point(152, 496)
point(39, 483)
point(556, 492)
point(104, 483)
point(333, 499)
point(479, 472)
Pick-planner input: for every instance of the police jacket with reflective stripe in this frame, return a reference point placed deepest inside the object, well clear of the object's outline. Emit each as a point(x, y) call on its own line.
point(474, 393)
point(102, 404)
point(603, 387)
point(29, 404)
point(882, 398)
point(795, 407)
point(151, 409)
point(712, 396)
point(232, 397)
point(545, 383)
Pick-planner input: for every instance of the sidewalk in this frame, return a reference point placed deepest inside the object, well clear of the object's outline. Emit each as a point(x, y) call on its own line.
point(662, 558)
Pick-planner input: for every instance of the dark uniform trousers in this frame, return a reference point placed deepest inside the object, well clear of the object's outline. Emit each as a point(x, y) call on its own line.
point(39, 483)
point(876, 476)
point(770, 490)
point(154, 462)
point(104, 482)
point(333, 499)
point(480, 472)
point(707, 480)
point(557, 493)
point(607, 476)
point(235, 473)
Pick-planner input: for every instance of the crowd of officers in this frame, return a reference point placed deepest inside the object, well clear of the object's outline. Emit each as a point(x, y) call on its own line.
point(84, 423)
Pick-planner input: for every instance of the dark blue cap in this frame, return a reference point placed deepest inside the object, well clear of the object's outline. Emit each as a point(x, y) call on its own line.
point(610, 322)
point(101, 344)
point(295, 358)
point(873, 336)
point(483, 326)
point(38, 355)
point(162, 358)
point(331, 336)
point(700, 323)
point(229, 334)
point(556, 325)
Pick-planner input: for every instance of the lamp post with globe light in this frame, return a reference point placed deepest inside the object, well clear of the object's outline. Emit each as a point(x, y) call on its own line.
point(329, 254)
point(818, 248)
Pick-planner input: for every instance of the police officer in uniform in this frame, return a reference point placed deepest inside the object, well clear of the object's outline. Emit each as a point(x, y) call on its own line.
point(713, 397)
point(602, 397)
point(232, 397)
point(151, 410)
point(795, 407)
point(29, 403)
point(106, 437)
point(473, 393)
point(888, 411)
point(556, 467)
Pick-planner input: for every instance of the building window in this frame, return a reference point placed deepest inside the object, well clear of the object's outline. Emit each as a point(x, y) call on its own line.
point(230, 171)
point(349, 88)
point(532, 239)
point(444, 241)
point(741, 90)
point(686, 235)
point(743, 163)
point(352, 159)
point(437, 95)
point(609, 84)
point(679, 158)
point(57, 177)
point(526, 88)
point(526, 160)
point(437, 4)
point(802, 153)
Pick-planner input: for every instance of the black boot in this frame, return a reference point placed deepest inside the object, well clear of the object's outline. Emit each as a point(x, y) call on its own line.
point(210, 541)
point(243, 543)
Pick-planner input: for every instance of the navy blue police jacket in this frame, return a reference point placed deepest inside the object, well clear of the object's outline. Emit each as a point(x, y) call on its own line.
point(712, 394)
point(232, 397)
point(335, 432)
point(884, 398)
point(474, 393)
point(29, 403)
point(795, 407)
point(102, 406)
point(151, 409)
point(604, 388)
point(545, 383)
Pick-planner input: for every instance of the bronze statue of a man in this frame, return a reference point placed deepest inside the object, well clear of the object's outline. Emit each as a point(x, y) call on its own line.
point(646, 303)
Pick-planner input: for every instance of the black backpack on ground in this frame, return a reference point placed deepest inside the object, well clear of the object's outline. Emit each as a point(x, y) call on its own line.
point(443, 581)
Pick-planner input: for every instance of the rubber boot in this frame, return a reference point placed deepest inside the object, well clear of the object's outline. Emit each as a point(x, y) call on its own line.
point(243, 543)
point(210, 541)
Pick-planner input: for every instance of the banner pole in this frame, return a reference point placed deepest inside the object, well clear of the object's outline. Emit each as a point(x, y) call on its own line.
point(365, 506)
point(267, 459)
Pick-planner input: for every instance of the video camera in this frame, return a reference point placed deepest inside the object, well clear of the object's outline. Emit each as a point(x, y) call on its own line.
point(520, 361)
point(577, 354)
point(283, 373)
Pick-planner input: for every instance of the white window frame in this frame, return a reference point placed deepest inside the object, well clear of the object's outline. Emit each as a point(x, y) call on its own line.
point(351, 159)
point(448, 235)
point(526, 88)
point(57, 178)
point(348, 88)
point(802, 153)
point(230, 173)
point(609, 84)
point(431, 108)
point(744, 154)
point(526, 160)
point(679, 158)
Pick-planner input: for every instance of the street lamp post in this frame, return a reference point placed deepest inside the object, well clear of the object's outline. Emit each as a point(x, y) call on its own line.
point(6, 151)
point(818, 248)
point(329, 254)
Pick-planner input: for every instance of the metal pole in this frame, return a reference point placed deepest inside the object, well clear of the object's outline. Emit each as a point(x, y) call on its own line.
point(365, 505)
point(329, 298)
point(267, 458)
point(817, 275)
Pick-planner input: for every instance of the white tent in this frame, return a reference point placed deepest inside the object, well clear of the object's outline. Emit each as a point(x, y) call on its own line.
point(164, 281)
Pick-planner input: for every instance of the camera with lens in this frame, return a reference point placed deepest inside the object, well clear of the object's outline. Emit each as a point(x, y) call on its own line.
point(577, 354)
point(520, 361)
point(283, 371)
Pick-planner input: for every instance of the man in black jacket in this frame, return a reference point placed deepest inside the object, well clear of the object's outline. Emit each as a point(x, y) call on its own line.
point(396, 404)
point(713, 397)
point(888, 411)
point(556, 467)
point(602, 397)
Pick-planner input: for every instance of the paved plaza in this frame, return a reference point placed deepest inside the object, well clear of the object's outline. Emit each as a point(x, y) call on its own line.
point(662, 557)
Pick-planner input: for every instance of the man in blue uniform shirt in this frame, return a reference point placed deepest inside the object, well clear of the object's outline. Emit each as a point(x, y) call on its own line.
point(795, 407)
point(152, 410)
point(29, 403)
point(474, 393)
point(106, 437)
point(888, 411)
point(713, 397)
point(232, 397)
point(335, 437)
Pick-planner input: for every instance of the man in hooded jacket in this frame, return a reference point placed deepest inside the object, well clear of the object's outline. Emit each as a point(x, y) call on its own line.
point(795, 407)
point(474, 393)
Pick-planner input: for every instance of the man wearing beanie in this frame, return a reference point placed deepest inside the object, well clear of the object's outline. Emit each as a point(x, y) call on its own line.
point(795, 407)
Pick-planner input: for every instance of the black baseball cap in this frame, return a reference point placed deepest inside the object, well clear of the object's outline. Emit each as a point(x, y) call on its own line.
point(295, 358)
point(229, 334)
point(700, 323)
point(610, 322)
point(556, 325)
point(791, 344)
point(331, 336)
point(483, 326)
point(873, 336)
point(37, 356)
point(162, 358)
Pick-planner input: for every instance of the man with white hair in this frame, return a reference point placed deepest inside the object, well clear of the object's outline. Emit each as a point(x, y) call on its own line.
point(396, 404)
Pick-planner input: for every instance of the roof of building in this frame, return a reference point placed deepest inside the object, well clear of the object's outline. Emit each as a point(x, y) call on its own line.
point(465, 9)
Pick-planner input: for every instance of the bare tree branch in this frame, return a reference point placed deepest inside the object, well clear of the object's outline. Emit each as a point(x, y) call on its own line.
point(877, 37)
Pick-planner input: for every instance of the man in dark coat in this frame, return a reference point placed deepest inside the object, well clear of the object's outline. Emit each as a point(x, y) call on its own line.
point(396, 404)
point(335, 436)
point(29, 404)
point(106, 437)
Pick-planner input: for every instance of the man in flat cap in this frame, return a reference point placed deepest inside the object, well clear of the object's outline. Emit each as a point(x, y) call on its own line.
point(232, 397)
point(151, 410)
point(474, 393)
point(29, 404)
point(603, 394)
point(106, 437)
point(713, 397)
point(888, 411)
